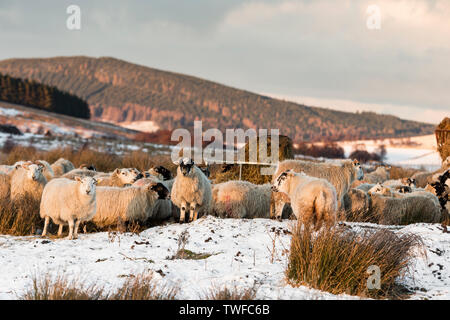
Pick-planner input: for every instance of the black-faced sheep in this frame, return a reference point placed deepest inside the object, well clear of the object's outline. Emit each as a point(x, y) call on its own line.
point(191, 187)
point(162, 174)
point(313, 200)
point(68, 202)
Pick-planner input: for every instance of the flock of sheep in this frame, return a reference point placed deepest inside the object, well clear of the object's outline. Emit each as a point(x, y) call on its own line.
point(313, 192)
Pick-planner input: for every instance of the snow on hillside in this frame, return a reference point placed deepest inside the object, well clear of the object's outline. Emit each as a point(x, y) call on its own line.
point(243, 252)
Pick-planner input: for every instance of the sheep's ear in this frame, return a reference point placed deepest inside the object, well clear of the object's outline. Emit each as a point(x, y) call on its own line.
point(177, 162)
point(117, 170)
point(95, 181)
point(78, 179)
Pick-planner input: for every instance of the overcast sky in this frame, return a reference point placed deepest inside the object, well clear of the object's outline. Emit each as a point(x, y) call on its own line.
point(319, 52)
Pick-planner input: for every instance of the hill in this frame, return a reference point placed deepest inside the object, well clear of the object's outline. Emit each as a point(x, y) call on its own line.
point(118, 91)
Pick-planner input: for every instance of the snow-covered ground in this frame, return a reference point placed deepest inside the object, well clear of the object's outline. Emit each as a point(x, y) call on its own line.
point(242, 252)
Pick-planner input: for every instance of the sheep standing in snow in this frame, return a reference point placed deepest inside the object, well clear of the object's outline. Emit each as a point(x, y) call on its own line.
point(280, 206)
point(27, 178)
point(126, 204)
point(5, 186)
point(340, 175)
point(68, 202)
point(313, 200)
point(120, 178)
point(241, 199)
point(191, 187)
point(61, 167)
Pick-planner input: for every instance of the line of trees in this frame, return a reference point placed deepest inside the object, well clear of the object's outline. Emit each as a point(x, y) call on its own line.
point(40, 96)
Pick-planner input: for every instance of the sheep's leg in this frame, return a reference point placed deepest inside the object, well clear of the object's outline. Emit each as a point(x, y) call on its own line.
point(70, 236)
point(183, 211)
point(193, 212)
point(60, 230)
point(75, 232)
point(47, 220)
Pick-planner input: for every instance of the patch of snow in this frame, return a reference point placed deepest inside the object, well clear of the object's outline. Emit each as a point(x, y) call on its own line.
point(242, 253)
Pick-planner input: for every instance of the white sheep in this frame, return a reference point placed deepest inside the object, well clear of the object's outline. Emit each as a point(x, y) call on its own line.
point(313, 200)
point(61, 167)
point(68, 202)
point(241, 199)
point(119, 178)
point(191, 187)
point(27, 178)
point(115, 204)
point(340, 175)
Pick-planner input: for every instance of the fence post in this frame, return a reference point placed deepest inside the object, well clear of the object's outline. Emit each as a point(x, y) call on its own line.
point(240, 171)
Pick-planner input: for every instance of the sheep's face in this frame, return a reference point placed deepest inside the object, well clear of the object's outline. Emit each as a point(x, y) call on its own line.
point(409, 182)
point(87, 185)
point(88, 167)
point(128, 175)
point(358, 169)
point(186, 166)
point(160, 189)
point(161, 172)
point(34, 170)
point(378, 189)
point(280, 184)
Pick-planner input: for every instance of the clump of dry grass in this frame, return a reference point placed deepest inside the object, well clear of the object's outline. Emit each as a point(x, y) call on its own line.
point(21, 217)
point(60, 288)
point(138, 287)
point(230, 293)
point(337, 260)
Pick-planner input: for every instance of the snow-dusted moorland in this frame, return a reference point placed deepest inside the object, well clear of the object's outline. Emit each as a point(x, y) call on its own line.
point(242, 253)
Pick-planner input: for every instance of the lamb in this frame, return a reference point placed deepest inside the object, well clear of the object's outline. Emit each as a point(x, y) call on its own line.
point(381, 174)
point(191, 187)
point(120, 178)
point(340, 176)
point(5, 186)
point(127, 204)
point(68, 202)
point(313, 200)
point(412, 207)
point(27, 178)
point(241, 199)
point(61, 167)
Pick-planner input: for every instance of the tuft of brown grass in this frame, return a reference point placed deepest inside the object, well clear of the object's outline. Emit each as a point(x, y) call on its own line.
point(60, 288)
point(230, 293)
point(21, 217)
point(337, 260)
point(136, 287)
